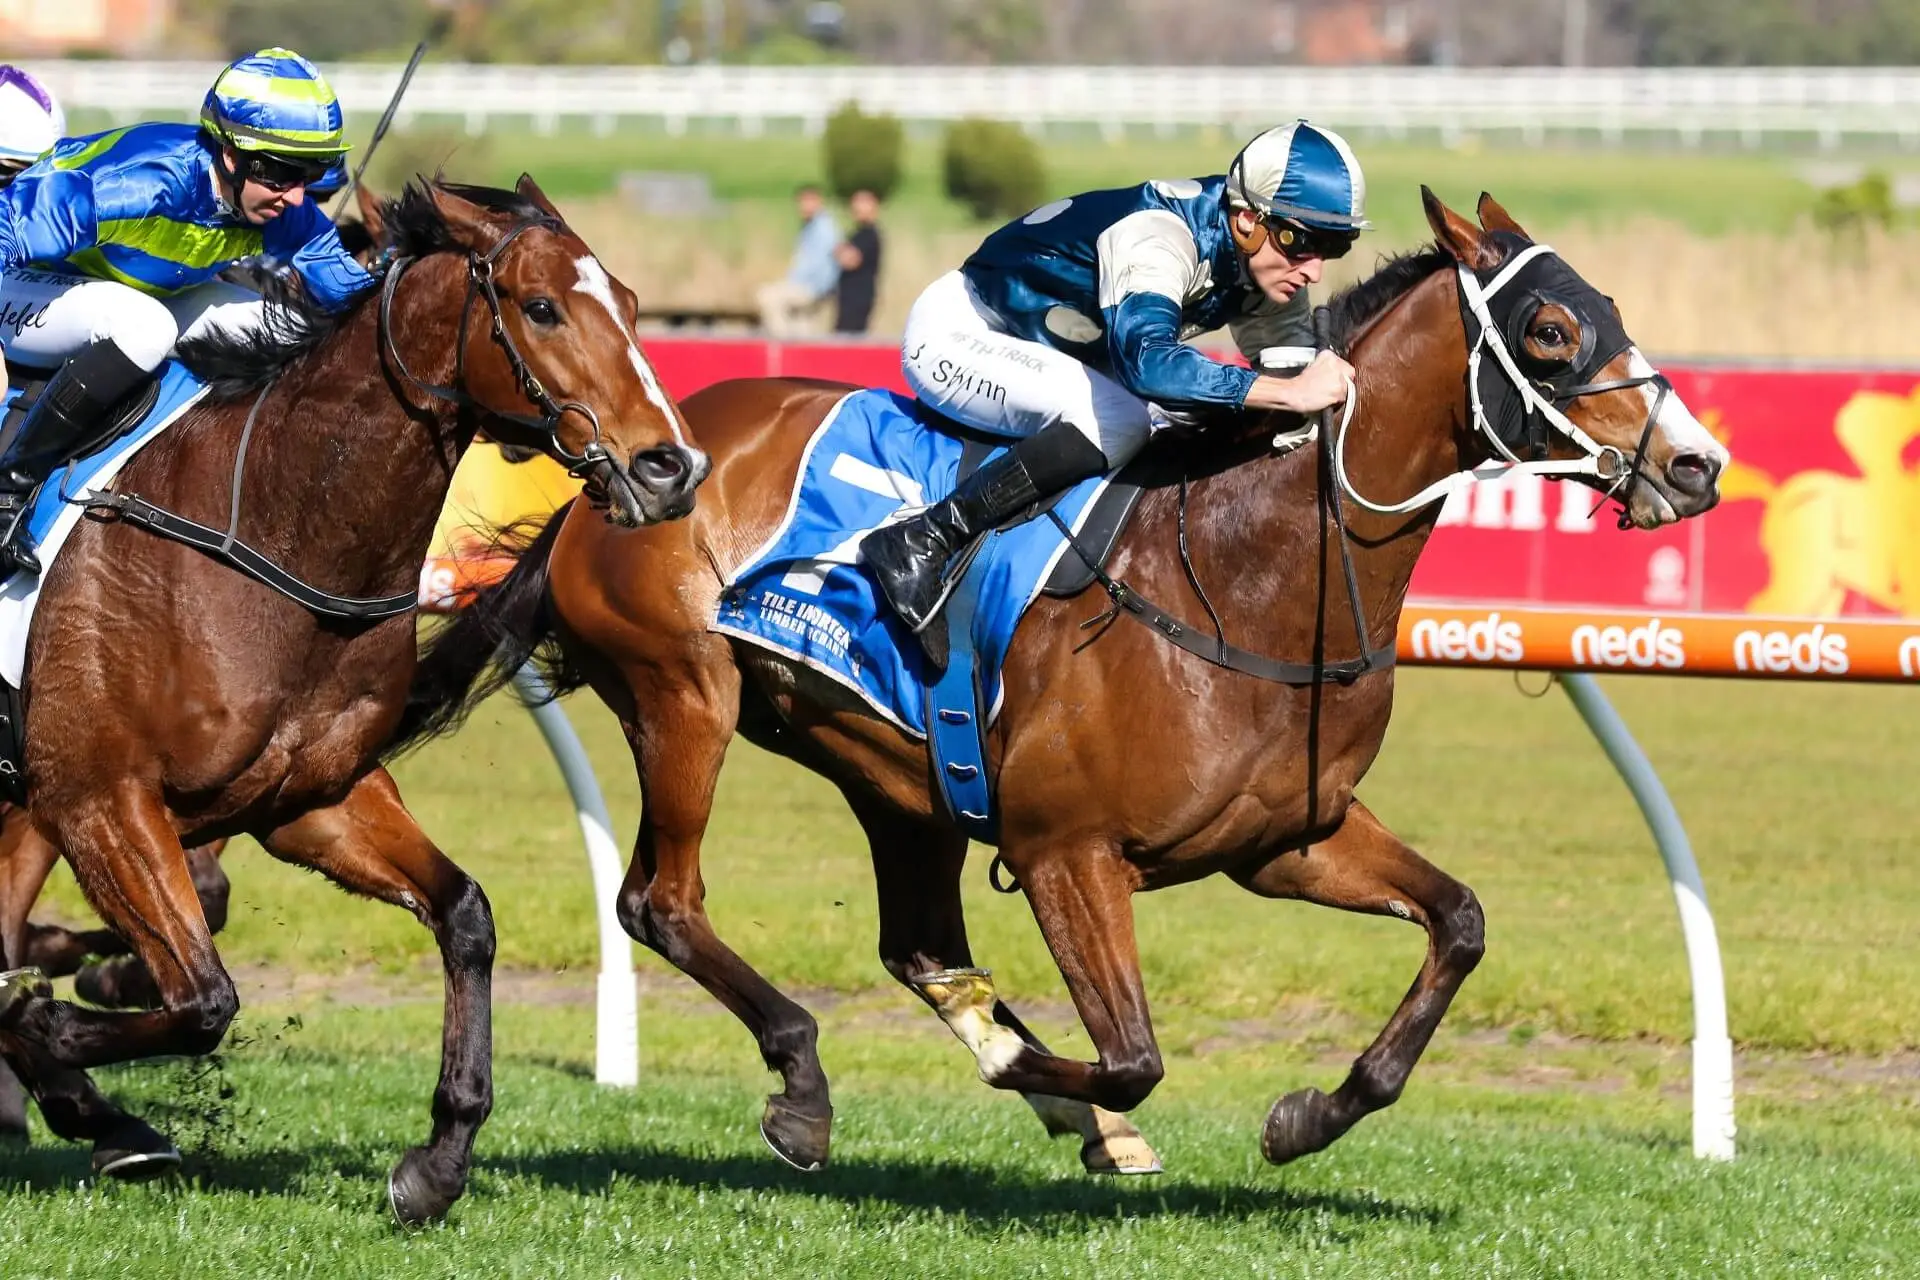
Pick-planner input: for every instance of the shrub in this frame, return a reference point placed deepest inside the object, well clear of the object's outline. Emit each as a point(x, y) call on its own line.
point(992, 168)
point(1867, 202)
point(862, 152)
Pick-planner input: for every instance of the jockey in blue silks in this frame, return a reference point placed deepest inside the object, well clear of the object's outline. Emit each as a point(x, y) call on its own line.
point(1065, 331)
point(110, 245)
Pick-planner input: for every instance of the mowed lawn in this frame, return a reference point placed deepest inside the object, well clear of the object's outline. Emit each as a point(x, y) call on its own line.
point(1546, 1134)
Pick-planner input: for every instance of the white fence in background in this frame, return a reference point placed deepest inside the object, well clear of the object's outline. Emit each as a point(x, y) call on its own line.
point(1825, 105)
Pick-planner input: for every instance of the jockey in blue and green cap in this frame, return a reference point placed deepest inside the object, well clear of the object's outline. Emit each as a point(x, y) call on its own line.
point(110, 245)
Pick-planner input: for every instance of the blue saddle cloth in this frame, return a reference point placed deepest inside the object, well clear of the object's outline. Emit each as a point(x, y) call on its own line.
point(879, 457)
point(176, 390)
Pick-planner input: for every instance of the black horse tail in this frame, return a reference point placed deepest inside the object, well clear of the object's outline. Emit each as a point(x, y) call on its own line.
point(476, 654)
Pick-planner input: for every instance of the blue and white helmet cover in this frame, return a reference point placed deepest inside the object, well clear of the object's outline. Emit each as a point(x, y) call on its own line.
point(1303, 172)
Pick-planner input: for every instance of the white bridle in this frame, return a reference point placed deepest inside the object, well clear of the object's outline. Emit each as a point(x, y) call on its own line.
point(1602, 461)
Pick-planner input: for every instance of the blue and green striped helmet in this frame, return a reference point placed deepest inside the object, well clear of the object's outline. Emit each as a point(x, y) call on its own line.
point(275, 101)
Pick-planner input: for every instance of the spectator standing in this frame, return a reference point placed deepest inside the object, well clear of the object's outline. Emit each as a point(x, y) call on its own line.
point(859, 259)
point(788, 305)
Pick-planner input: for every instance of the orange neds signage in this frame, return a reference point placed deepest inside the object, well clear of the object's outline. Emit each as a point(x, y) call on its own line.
point(1691, 644)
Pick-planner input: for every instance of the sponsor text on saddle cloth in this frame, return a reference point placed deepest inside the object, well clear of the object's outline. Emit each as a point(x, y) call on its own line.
point(53, 515)
point(873, 460)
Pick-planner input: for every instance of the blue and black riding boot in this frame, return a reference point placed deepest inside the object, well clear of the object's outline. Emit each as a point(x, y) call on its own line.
point(910, 559)
point(72, 405)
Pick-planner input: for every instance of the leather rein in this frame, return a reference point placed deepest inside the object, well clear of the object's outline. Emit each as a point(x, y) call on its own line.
point(229, 549)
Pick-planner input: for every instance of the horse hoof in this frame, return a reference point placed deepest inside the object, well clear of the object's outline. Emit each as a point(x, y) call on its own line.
point(23, 984)
point(800, 1140)
point(133, 1152)
point(412, 1192)
point(1125, 1156)
point(1299, 1125)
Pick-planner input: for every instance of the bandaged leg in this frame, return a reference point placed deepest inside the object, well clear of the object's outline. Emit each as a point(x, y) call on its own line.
point(965, 999)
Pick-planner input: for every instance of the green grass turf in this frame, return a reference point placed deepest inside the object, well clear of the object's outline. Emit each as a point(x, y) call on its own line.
point(934, 1175)
point(1545, 1134)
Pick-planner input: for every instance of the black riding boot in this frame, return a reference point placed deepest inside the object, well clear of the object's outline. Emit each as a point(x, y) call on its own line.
point(71, 405)
point(909, 559)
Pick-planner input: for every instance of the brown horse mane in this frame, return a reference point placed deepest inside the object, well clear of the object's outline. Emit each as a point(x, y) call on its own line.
point(237, 364)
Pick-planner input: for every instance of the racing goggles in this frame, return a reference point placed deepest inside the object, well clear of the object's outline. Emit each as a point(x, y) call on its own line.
point(283, 173)
point(1299, 242)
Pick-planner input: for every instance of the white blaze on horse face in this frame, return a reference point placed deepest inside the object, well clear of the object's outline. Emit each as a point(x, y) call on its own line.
point(1676, 423)
point(595, 283)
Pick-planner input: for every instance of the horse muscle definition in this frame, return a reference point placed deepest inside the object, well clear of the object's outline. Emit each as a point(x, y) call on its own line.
point(272, 718)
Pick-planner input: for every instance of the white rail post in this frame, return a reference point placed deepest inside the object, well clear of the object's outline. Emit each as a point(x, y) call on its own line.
point(616, 1040)
point(1713, 1126)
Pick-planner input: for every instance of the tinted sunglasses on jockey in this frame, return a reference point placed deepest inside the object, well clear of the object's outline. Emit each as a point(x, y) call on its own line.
point(1300, 242)
point(283, 173)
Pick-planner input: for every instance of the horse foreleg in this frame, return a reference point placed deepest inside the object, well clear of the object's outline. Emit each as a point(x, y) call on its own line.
point(370, 844)
point(923, 944)
point(678, 746)
point(25, 860)
point(1365, 867)
point(120, 981)
point(1082, 900)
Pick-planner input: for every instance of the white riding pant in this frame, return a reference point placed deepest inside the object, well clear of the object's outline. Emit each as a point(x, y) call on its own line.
point(47, 316)
point(957, 362)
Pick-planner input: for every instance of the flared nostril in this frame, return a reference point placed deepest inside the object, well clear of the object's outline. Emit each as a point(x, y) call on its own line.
point(1693, 473)
point(661, 469)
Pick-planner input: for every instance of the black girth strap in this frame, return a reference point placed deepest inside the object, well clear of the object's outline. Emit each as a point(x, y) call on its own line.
point(228, 549)
point(1210, 648)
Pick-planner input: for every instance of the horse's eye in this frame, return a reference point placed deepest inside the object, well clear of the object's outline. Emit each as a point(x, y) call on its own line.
point(540, 311)
point(1550, 335)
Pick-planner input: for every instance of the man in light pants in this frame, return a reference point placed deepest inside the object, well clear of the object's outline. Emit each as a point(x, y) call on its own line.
point(1064, 331)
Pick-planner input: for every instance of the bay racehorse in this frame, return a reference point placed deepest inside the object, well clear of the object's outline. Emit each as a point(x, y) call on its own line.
point(106, 973)
point(172, 700)
point(1483, 344)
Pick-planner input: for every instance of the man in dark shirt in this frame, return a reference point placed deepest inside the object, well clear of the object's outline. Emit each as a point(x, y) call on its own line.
point(859, 258)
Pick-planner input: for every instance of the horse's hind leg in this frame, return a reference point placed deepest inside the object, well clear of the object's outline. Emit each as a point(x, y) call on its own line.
point(679, 741)
point(923, 944)
point(1365, 867)
point(370, 844)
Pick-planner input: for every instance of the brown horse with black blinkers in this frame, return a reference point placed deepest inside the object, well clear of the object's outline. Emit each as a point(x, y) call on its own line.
point(172, 700)
point(1482, 345)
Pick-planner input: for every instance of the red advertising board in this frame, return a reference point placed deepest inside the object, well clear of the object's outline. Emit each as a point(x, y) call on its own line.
point(1820, 514)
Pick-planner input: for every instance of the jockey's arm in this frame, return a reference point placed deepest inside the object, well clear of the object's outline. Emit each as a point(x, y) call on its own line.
point(1149, 266)
point(306, 240)
point(46, 215)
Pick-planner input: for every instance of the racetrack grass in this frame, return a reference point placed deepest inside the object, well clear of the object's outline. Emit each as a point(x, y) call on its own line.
point(935, 1176)
point(1799, 800)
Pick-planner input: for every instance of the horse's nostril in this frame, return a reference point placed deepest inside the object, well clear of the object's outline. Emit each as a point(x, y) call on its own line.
point(660, 468)
point(1693, 472)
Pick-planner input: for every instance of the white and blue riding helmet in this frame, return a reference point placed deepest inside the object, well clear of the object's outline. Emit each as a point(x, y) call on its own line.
point(1300, 174)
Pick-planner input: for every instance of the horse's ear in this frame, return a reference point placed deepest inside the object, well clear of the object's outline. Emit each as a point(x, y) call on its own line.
point(531, 190)
point(1495, 218)
point(370, 215)
point(1455, 234)
point(471, 224)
